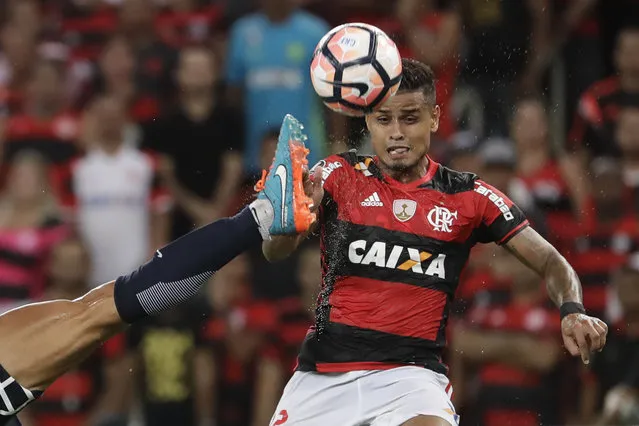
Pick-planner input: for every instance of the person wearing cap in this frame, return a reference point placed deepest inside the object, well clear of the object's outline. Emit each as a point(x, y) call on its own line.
point(607, 232)
point(498, 161)
point(537, 168)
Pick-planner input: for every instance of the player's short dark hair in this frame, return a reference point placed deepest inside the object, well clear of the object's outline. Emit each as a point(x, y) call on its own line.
point(418, 76)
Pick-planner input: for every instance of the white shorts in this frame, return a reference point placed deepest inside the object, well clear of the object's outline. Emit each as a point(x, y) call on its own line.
point(365, 398)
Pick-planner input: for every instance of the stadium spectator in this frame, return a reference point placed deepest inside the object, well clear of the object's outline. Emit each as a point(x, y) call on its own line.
point(201, 140)
point(155, 61)
point(594, 125)
point(120, 205)
point(116, 76)
point(45, 125)
point(612, 383)
point(26, 16)
point(514, 346)
point(503, 36)
point(30, 225)
point(603, 239)
point(536, 166)
point(627, 136)
point(498, 159)
point(593, 130)
point(578, 39)
point(17, 56)
point(267, 70)
point(172, 369)
point(84, 27)
point(188, 22)
point(296, 316)
point(95, 392)
point(462, 152)
point(241, 332)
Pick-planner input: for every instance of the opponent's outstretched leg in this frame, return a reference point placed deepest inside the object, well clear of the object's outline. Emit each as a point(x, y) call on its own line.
point(42, 341)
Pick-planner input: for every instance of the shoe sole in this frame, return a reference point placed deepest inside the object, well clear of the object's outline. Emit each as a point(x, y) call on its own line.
point(302, 203)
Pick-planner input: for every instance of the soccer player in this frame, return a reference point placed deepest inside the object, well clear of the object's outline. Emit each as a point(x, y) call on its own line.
point(42, 341)
point(396, 230)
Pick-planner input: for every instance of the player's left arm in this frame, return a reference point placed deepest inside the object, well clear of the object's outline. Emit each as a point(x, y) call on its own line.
point(504, 223)
point(581, 333)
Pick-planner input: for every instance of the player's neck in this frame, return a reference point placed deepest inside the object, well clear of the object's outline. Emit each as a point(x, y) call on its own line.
point(409, 175)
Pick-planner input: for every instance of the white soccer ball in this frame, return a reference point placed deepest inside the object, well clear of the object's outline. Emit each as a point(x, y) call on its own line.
point(355, 68)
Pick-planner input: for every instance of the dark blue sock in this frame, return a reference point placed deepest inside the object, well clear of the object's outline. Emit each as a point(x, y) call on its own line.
point(177, 271)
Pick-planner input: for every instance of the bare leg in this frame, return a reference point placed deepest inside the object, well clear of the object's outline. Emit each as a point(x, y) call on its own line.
point(427, 421)
point(42, 341)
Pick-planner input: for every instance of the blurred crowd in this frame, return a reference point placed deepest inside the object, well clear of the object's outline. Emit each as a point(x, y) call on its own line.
point(126, 123)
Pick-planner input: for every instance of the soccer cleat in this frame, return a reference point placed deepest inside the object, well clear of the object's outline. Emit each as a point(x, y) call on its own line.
point(283, 185)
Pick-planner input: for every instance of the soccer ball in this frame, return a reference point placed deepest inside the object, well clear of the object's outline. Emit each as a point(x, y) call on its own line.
point(355, 68)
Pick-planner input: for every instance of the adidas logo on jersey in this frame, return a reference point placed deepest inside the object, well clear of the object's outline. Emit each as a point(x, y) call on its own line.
point(372, 201)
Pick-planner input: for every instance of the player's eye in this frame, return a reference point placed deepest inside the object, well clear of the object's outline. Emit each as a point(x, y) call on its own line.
point(410, 119)
point(382, 119)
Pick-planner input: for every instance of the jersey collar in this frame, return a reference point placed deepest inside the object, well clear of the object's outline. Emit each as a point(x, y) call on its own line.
point(430, 173)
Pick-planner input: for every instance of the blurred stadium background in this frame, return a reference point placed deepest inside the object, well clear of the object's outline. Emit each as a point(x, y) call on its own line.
point(125, 123)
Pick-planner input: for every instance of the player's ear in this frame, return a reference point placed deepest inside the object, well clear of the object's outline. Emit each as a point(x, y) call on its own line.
point(434, 118)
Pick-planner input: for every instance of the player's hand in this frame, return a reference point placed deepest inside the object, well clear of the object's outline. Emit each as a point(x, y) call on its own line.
point(313, 186)
point(583, 334)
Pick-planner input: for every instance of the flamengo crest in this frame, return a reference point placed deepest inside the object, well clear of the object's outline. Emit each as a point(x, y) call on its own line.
point(404, 209)
point(441, 218)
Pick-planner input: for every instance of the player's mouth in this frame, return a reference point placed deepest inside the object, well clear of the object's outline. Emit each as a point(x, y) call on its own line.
point(397, 151)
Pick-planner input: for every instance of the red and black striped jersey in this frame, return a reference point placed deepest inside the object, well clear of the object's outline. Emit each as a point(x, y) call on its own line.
point(596, 117)
point(392, 255)
point(507, 394)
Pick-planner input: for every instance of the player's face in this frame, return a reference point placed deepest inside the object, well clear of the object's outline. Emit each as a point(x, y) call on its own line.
point(400, 130)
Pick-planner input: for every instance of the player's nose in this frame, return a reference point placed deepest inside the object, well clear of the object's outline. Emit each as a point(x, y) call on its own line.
point(395, 131)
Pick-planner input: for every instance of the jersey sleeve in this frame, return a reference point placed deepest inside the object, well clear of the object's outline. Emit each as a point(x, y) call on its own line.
point(333, 173)
point(500, 218)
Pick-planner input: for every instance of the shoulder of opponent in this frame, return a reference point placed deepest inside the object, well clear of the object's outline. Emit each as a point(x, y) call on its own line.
point(449, 181)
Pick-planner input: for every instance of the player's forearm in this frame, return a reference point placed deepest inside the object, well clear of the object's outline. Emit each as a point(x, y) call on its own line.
point(280, 247)
point(562, 282)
